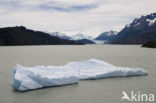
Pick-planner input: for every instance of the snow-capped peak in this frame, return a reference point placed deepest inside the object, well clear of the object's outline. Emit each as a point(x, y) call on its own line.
point(143, 21)
point(60, 35)
point(57, 34)
point(109, 33)
point(73, 37)
point(81, 36)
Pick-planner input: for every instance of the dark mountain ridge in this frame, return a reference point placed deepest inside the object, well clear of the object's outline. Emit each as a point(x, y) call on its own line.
point(140, 31)
point(85, 41)
point(19, 35)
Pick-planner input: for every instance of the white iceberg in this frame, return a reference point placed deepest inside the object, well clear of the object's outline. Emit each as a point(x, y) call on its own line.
point(27, 78)
point(96, 69)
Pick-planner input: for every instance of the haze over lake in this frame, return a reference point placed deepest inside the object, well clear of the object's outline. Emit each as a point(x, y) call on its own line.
point(90, 91)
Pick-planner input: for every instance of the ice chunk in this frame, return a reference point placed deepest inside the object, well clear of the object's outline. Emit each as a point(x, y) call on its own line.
point(95, 69)
point(26, 78)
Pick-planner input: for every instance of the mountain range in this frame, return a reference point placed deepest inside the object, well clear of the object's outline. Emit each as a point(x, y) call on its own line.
point(141, 30)
point(79, 38)
point(107, 36)
point(72, 37)
point(22, 36)
point(61, 35)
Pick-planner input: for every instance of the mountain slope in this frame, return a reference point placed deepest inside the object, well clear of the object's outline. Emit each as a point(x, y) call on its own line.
point(85, 41)
point(60, 35)
point(22, 36)
point(81, 36)
point(107, 35)
point(140, 31)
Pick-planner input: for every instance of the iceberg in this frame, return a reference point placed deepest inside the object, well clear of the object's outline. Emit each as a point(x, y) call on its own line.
point(26, 78)
point(29, 78)
point(97, 69)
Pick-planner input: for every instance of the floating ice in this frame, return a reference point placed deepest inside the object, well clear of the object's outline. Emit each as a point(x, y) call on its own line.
point(95, 69)
point(27, 78)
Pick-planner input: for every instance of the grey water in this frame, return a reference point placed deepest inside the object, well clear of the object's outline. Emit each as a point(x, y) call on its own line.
point(108, 90)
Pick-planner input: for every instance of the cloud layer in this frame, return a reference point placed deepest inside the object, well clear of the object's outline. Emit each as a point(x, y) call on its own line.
point(90, 17)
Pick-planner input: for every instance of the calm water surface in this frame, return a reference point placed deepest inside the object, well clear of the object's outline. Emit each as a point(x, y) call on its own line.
point(91, 91)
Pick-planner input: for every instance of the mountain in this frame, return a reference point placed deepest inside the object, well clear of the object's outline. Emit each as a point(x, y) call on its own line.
point(73, 37)
point(150, 44)
point(22, 36)
point(85, 41)
point(81, 36)
point(107, 35)
point(60, 35)
point(140, 31)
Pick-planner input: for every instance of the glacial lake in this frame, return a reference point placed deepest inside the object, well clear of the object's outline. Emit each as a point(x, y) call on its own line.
point(108, 90)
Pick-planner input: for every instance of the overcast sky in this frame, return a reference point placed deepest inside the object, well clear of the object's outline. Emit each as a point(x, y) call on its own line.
point(90, 17)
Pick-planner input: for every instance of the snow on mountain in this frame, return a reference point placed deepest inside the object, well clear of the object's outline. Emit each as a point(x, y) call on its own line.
point(28, 78)
point(141, 30)
point(108, 35)
point(81, 36)
point(73, 37)
point(151, 22)
point(60, 35)
point(148, 20)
